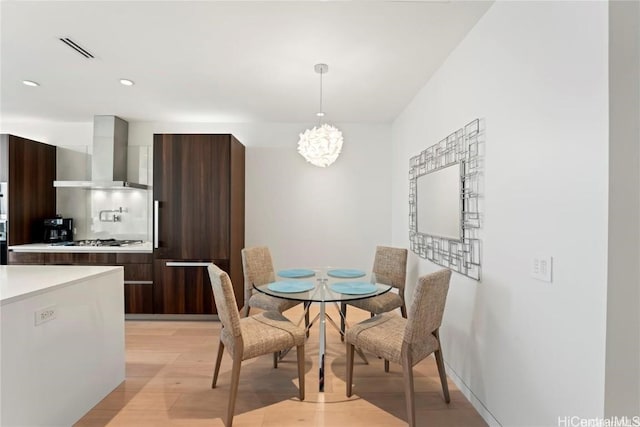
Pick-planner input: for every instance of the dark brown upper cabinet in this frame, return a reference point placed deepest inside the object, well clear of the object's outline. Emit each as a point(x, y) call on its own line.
point(29, 168)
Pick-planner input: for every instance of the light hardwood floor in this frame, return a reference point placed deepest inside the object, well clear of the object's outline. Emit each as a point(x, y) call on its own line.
point(169, 366)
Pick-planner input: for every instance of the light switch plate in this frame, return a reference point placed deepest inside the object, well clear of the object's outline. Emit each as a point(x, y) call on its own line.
point(541, 268)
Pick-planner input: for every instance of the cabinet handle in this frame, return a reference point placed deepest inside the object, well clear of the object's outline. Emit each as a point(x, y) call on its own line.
point(138, 282)
point(186, 264)
point(156, 216)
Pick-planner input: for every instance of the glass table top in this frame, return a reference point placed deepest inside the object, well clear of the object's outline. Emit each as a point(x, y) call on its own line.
point(323, 286)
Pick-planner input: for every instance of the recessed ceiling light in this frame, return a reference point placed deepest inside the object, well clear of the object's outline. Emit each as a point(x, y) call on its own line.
point(127, 82)
point(30, 83)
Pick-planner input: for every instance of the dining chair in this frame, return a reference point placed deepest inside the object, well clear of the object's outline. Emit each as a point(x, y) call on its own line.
point(249, 337)
point(257, 266)
point(406, 341)
point(389, 268)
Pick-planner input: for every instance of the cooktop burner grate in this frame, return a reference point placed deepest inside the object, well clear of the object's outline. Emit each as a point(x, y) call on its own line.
point(99, 242)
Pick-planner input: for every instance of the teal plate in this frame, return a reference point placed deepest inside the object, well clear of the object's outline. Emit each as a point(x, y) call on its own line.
point(296, 273)
point(345, 273)
point(290, 287)
point(354, 288)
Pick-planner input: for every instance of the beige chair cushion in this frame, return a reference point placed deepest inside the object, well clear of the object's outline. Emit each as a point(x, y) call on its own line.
point(269, 303)
point(264, 333)
point(383, 336)
point(379, 304)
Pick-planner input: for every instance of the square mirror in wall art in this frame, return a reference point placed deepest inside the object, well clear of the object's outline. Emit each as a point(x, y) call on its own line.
point(444, 213)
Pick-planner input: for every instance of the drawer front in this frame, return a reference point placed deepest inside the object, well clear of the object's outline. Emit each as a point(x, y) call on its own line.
point(26, 257)
point(82, 259)
point(134, 258)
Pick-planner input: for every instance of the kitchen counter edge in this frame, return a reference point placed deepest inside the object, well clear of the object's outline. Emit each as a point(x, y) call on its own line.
point(145, 248)
point(18, 282)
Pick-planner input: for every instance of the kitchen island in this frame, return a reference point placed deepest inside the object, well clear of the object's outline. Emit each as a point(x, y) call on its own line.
point(62, 341)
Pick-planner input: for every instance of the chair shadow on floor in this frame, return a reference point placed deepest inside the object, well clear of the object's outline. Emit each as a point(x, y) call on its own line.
point(385, 390)
point(260, 386)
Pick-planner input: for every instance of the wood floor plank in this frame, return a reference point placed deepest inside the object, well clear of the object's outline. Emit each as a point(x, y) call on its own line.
point(169, 366)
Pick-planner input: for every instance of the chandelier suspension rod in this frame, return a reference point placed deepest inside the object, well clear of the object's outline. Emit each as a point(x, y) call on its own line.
point(320, 69)
point(321, 113)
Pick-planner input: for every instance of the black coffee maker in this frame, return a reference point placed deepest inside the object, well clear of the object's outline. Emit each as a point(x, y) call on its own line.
point(58, 230)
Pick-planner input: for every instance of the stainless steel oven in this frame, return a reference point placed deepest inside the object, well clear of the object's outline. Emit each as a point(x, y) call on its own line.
point(3, 242)
point(4, 214)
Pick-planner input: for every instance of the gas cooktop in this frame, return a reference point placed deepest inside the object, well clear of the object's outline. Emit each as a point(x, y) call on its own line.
point(99, 242)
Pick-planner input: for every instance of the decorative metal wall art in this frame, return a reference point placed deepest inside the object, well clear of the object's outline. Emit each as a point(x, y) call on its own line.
point(464, 147)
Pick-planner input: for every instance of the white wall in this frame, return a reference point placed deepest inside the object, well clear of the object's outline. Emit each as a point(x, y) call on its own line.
point(622, 396)
point(525, 351)
point(54, 133)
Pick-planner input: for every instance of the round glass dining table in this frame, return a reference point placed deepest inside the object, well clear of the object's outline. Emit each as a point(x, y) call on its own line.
point(322, 286)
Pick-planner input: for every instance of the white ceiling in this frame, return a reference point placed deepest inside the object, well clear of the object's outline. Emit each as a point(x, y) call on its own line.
point(231, 61)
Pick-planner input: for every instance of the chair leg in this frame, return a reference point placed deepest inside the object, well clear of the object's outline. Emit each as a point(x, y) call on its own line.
point(350, 351)
point(276, 355)
point(441, 370)
point(235, 380)
point(386, 365)
point(343, 316)
point(300, 354)
point(443, 375)
point(407, 371)
point(216, 370)
point(306, 317)
point(403, 310)
point(245, 310)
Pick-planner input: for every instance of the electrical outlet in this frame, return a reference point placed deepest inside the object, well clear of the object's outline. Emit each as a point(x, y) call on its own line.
point(541, 267)
point(46, 314)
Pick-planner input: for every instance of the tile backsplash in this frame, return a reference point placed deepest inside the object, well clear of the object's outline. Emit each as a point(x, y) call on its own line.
point(94, 211)
point(119, 214)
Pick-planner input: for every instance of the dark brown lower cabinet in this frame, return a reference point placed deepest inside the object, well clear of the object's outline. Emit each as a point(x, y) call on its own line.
point(138, 298)
point(138, 282)
point(183, 286)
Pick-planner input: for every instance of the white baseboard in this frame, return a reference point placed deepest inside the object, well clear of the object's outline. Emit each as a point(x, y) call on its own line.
point(477, 404)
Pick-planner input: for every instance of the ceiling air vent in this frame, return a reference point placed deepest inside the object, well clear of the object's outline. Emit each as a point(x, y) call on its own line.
point(75, 46)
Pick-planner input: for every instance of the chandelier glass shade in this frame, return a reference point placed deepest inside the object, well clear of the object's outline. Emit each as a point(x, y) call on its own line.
point(322, 144)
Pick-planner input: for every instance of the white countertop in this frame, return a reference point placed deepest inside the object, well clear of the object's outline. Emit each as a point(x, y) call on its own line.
point(44, 247)
point(22, 281)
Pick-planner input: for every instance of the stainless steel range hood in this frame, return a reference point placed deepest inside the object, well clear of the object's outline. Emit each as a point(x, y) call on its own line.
point(109, 158)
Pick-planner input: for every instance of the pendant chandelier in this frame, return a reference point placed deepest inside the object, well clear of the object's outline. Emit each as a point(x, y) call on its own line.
point(322, 144)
